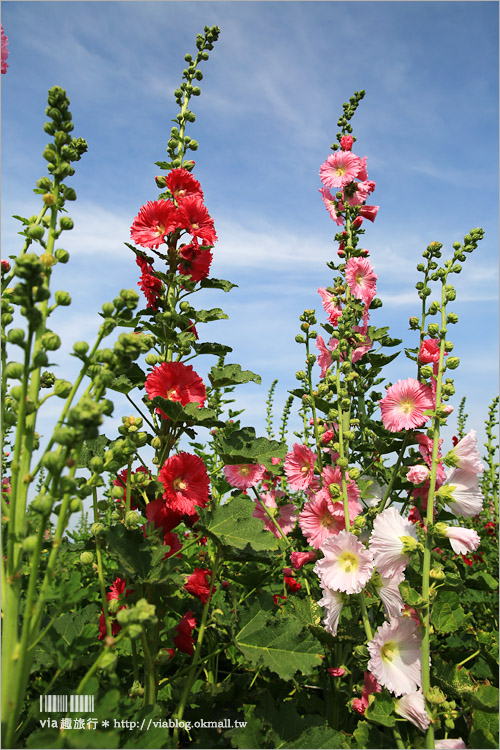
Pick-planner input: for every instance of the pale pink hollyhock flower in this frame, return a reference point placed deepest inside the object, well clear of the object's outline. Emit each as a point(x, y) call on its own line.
point(462, 540)
point(466, 498)
point(395, 657)
point(244, 476)
point(412, 707)
point(374, 493)
point(466, 454)
point(333, 602)
point(386, 544)
point(339, 169)
point(330, 306)
point(361, 278)
point(417, 474)
point(317, 521)
point(285, 515)
point(299, 559)
point(404, 404)
point(332, 207)
point(325, 355)
point(299, 466)
point(368, 212)
point(429, 351)
point(390, 595)
point(346, 142)
point(457, 744)
point(5, 51)
point(347, 565)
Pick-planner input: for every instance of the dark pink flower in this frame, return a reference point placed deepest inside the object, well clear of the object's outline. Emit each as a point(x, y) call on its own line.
point(429, 351)
point(154, 221)
point(181, 183)
point(5, 51)
point(346, 142)
point(194, 217)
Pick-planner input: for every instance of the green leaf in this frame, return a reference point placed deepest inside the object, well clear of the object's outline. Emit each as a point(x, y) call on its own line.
point(409, 595)
point(243, 447)
point(134, 378)
point(319, 737)
point(233, 525)
point(279, 643)
point(447, 613)
point(128, 548)
point(190, 414)
point(485, 698)
point(205, 316)
point(163, 164)
point(452, 679)
point(206, 347)
point(483, 581)
point(223, 284)
point(381, 710)
point(251, 736)
point(484, 732)
point(220, 377)
point(368, 736)
point(90, 449)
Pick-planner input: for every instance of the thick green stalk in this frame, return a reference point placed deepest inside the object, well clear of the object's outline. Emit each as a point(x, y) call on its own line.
point(342, 456)
point(149, 673)
point(270, 515)
point(393, 475)
point(313, 407)
point(100, 572)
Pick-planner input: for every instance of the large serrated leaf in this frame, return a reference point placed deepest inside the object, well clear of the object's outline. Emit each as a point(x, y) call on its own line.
point(233, 525)
point(90, 449)
point(447, 613)
point(221, 377)
point(282, 645)
point(134, 378)
point(208, 347)
point(223, 284)
point(381, 710)
point(243, 447)
point(191, 414)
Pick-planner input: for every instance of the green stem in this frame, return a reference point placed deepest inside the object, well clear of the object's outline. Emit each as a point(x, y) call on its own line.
point(270, 516)
point(313, 407)
point(460, 664)
point(364, 617)
point(100, 572)
point(393, 475)
point(149, 673)
point(398, 738)
point(135, 663)
point(342, 456)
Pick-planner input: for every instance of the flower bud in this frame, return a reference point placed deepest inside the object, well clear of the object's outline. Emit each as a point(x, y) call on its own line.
point(80, 347)
point(35, 231)
point(97, 529)
point(64, 435)
point(437, 574)
point(433, 329)
point(40, 359)
point(409, 544)
point(14, 371)
point(75, 505)
point(51, 341)
point(426, 371)
point(113, 606)
point(66, 222)
point(450, 293)
point(87, 558)
point(61, 255)
point(414, 323)
point(49, 155)
point(299, 338)
point(69, 194)
point(452, 363)
point(49, 199)
point(62, 388)
point(42, 504)
point(62, 298)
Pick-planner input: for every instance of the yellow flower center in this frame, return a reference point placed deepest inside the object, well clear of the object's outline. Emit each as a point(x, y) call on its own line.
point(349, 561)
point(389, 650)
point(160, 230)
point(340, 171)
point(173, 395)
point(359, 278)
point(244, 471)
point(304, 469)
point(180, 484)
point(407, 405)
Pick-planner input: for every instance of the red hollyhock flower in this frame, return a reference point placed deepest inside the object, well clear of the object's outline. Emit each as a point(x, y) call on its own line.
point(153, 222)
point(175, 382)
point(121, 481)
point(429, 351)
point(5, 266)
point(181, 183)
point(198, 584)
point(186, 482)
point(194, 217)
point(172, 541)
point(184, 640)
point(292, 584)
point(149, 284)
point(195, 261)
point(277, 597)
point(116, 591)
point(162, 517)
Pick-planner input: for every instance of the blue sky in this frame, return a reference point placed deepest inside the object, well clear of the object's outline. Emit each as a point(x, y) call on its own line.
point(272, 93)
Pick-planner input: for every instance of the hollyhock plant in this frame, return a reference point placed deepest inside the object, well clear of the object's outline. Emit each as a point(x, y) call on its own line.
point(404, 405)
point(318, 522)
point(291, 584)
point(299, 467)
point(417, 474)
point(332, 601)
point(462, 493)
point(184, 640)
point(150, 285)
point(465, 455)
point(154, 221)
point(161, 516)
point(361, 278)
point(370, 686)
point(198, 584)
point(462, 540)
point(186, 483)
point(121, 481)
point(429, 351)
point(195, 261)
point(368, 212)
point(412, 708)
point(194, 217)
point(299, 559)
point(339, 169)
point(346, 142)
point(284, 515)
point(330, 305)
point(174, 544)
point(347, 565)
point(325, 354)
point(332, 206)
point(181, 183)
point(244, 476)
point(457, 744)
point(395, 658)
point(390, 596)
point(387, 542)
point(116, 591)
point(174, 381)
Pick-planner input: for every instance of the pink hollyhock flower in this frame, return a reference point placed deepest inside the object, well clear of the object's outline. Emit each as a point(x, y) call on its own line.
point(5, 51)
point(186, 482)
point(462, 540)
point(363, 173)
point(395, 656)
point(425, 446)
point(161, 516)
point(198, 584)
point(371, 686)
point(346, 142)
point(330, 306)
point(386, 543)
point(333, 602)
point(465, 498)
point(336, 671)
point(361, 192)
point(457, 744)
point(429, 351)
point(347, 565)
point(283, 514)
point(333, 475)
point(339, 169)
point(404, 404)
point(153, 222)
point(299, 467)
point(325, 355)
point(390, 595)
point(412, 708)
point(194, 217)
point(361, 278)
point(332, 207)
point(184, 640)
point(368, 212)
point(181, 183)
point(465, 454)
point(148, 283)
point(174, 381)
point(299, 559)
point(417, 474)
point(244, 476)
point(362, 348)
point(317, 521)
point(196, 261)
point(5, 265)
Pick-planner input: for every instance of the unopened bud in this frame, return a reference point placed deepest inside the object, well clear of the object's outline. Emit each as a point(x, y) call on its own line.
point(87, 558)
point(452, 363)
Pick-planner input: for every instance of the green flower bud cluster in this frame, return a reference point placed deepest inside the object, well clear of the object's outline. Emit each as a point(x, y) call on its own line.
point(349, 108)
point(140, 614)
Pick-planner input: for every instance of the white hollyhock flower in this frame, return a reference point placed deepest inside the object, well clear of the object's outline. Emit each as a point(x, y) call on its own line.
point(461, 492)
point(412, 707)
point(395, 656)
point(333, 602)
point(386, 543)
